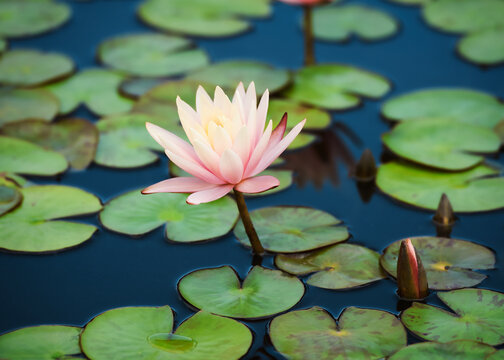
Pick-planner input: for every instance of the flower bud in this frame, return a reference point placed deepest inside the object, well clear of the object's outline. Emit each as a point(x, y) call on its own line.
point(411, 276)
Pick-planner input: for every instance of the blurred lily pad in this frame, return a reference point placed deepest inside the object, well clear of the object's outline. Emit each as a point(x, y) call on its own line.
point(498, 355)
point(316, 119)
point(302, 140)
point(477, 315)
point(145, 333)
point(483, 47)
point(3, 45)
point(464, 105)
point(21, 104)
point(10, 197)
point(454, 350)
point(26, 18)
point(29, 227)
point(286, 229)
point(313, 334)
point(76, 139)
point(44, 342)
point(338, 23)
point(167, 93)
point(340, 266)
point(477, 189)
point(336, 87)
point(32, 67)
point(153, 55)
point(449, 263)
point(442, 143)
point(136, 87)
point(263, 293)
point(135, 214)
point(163, 110)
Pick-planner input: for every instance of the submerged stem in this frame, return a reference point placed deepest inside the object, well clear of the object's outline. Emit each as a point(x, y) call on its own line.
point(308, 35)
point(257, 248)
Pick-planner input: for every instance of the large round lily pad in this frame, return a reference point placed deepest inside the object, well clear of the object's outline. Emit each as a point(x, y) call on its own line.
point(455, 350)
point(477, 189)
point(152, 55)
point(21, 104)
point(464, 105)
point(288, 229)
point(338, 23)
point(335, 87)
point(313, 334)
point(315, 118)
point(44, 342)
point(32, 67)
point(29, 227)
point(146, 333)
point(449, 263)
point(136, 214)
point(445, 144)
point(340, 266)
point(25, 18)
point(483, 47)
point(477, 315)
point(263, 293)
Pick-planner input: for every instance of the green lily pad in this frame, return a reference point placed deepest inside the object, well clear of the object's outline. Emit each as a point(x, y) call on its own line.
point(286, 229)
point(316, 119)
point(167, 93)
point(162, 110)
point(313, 334)
point(228, 74)
point(136, 214)
point(336, 87)
point(10, 197)
point(476, 189)
point(44, 342)
point(263, 293)
point(498, 355)
point(21, 104)
point(145, 333)
point(29, 228)
point(136, 87)
point(455, 350)
point(151, 55)
point(23, 157)
point(338, 23)
point(477, 315)
point(96, 88)
point(340, 266)
point(303, 139)
point(3, 45)
point(483, 47)
point(411, 2)
point(76, 139)
point(26, 18)
point(467, 106)
point(449, 263)
point(442, 143)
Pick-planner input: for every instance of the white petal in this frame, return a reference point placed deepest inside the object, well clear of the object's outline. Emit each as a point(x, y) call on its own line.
point(219, 138)
point(231, 167)
point(207, 156)
point(262, 112)
point(241, 145)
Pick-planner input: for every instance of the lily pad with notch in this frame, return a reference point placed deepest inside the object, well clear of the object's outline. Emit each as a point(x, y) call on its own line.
point(24, 104)
point(454, 350)
point(10, 196)
point(483, 47)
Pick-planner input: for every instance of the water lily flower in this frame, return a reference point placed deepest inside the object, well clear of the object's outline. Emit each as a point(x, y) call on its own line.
point(411, 276)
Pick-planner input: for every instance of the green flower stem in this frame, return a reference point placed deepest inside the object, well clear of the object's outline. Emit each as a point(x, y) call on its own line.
point(257, 247)
point(308, 35)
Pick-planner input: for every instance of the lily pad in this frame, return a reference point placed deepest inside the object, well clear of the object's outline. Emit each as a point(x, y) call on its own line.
point(10, 197)
point(167, 93)
point(449, 263)
point(26, 18)
point(3, 45)
point(23, 157)
point(411, 2)
point(263, 293)
point(151, 55)
point(136, 214)
point(228, 74)
point(442, 143)
point(32, 67)
point(44, 342)
point(338, 23)
point(336, 87)
point(29, 228)
point(76, 139)
point(340, 266)
point(498, 355)
point(145, 333)
point(136, 87)
point(476, 189)
point(288, 229)
point(162, 110)
point(313, 334)
point(483, 47)
point(455, 350)
point(464, 105)
point(20, 104)
point(316, 119)
point(477, 315)
point(303, 139)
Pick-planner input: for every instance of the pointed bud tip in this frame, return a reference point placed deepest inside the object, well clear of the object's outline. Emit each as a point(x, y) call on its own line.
point(444, 214)
point(365, 170)
point(411, 275)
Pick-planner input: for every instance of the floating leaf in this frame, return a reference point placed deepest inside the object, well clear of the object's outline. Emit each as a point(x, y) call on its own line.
point(135, 214)
point(477, 315)
point(3, 45)
point(161, 110)
point(76, 139)
point(442, 143)
point(263, 293)
point(316, 119)
point(151, 55)
point(449, 263)
point(10, 197)
point(145, 333)
point(167, 93)
point(340, 266)
point(335, 87)
point(313, 334)
point(455, 350)
point(302, 140)
point(136, 87)
point(29, 228)
point(498, 355)
point(293, 229)
point(483, 47)
point(44, 342)
point(20, 104)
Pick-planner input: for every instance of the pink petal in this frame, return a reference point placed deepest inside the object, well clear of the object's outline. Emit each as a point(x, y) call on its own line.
point(258, 152)
point(194, 168)
point(178, 185)
point(262, 112)
point(231, 167)
point(241, 145)
point(209, 195)
point(279, 132)
point(257, 184)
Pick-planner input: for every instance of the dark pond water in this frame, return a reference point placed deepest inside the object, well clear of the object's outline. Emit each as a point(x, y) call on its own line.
point(113, 270)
